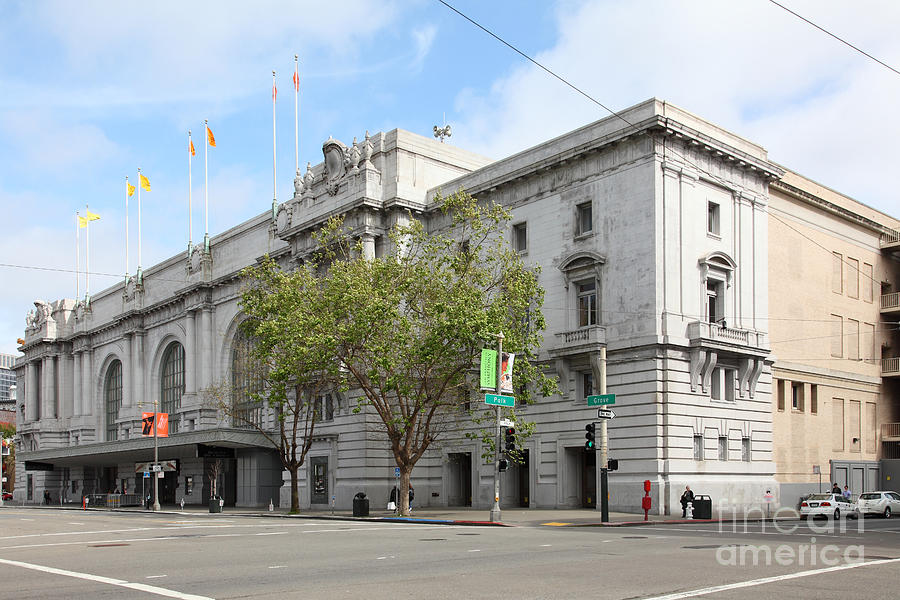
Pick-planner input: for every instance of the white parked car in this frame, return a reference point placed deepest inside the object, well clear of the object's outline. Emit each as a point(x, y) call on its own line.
point(879, 503)
point(828, 505)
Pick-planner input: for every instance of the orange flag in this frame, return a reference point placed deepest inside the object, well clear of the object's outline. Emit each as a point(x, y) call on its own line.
point(296, 81)
point(191, 142)
point(210, 137)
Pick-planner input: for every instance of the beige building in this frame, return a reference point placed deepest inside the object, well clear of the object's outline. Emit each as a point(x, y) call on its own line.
point(835, 268)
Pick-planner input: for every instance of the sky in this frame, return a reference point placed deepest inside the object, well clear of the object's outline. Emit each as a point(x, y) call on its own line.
point(90, 91)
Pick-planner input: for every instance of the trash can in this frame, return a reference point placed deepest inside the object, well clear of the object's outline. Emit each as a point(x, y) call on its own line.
point(360, 505)
point(214, 505)
point(702, 507)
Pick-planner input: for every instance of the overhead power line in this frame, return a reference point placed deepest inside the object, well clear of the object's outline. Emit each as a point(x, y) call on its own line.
point(838, 38)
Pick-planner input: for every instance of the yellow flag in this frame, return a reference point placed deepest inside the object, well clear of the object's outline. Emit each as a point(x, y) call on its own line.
point(82, 222)
point(92, 216)
point(210, 137)
point(145, 183)
point(130, 189)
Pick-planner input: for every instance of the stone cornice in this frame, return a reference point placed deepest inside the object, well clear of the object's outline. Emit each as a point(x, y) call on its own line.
point(829, 207)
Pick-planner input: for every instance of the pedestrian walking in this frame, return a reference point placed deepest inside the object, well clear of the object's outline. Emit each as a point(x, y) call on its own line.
point(836, 489)
point(846, 493)
point(412, 494)
point(687, 496)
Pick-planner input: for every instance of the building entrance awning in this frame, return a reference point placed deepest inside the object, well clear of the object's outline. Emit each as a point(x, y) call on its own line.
point(178, 445)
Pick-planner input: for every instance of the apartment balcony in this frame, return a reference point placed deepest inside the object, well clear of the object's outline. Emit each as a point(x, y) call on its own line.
point(890, 432)
point(890, 304)
point(579, 341)
point(729, 339)
point(890, 367)
point(890, 240)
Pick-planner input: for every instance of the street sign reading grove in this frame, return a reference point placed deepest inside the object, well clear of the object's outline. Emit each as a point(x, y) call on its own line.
point(601, 400)
point(498, 400)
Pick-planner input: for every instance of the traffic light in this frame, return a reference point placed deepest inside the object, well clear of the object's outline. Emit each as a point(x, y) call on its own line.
point(591, 443)
point(504, 464)
point(510, 435)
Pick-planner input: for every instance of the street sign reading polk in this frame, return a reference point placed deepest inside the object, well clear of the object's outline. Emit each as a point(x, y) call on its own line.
point(498, 400)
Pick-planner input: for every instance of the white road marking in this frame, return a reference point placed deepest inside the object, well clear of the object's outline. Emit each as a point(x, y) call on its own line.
point(141, 587)
point(26, 519)
point(155, 576)
point(474, 550)
point(273, 533)
point(712, 533)
point(765, 580)
point(546, 545)
point(73, 523)
point(278, 567)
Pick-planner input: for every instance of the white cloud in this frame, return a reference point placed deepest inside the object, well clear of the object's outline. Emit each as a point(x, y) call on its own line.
point(816, 105)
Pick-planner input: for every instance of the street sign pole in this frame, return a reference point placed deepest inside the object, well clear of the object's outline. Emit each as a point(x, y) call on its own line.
point(495, 509)
point(604, 447)
point(155, 456)
point(2, 458)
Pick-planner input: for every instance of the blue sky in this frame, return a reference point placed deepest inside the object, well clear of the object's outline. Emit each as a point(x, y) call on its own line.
point(90, 91)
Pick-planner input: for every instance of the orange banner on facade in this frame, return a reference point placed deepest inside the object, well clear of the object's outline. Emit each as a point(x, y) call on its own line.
point(160, 420)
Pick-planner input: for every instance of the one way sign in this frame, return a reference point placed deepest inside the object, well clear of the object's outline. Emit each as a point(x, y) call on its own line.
point(605, 413)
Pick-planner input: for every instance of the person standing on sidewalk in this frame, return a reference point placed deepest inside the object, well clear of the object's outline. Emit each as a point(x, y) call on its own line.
point(687, 496)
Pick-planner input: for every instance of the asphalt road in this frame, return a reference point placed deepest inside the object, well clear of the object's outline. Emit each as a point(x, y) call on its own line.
point(49, 553)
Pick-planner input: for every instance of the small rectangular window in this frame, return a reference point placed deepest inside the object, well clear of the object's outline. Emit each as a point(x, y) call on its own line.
point(779, 393)
point(520, 237)
point(867, 282)
point(837, 424)
point(587, 304)
point(837, 336)
point(814, 399)
point(852, 278)
point(797, 396)
point(837, 273)
point(852, 339)
point(329, 407)
point(587, 385)
point(585, 218)
point(712, 218)
point(745, 449)
point(723, 447)
point(698, 447)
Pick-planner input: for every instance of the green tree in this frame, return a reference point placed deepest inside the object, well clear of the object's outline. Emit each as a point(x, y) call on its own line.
point(289, 361)
point(409, 326)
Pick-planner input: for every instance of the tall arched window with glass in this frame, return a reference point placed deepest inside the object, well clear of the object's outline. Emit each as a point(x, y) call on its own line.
point(246, 380)
point(172, 383)
point(112, 398)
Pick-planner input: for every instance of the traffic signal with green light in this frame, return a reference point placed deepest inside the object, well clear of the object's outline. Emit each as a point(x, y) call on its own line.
point(591, 443)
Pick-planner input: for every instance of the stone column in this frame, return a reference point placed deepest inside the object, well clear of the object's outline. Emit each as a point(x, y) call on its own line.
point(65, 385)
point(139, 373)
point(87, 392)
point(127, 369)
point(206, 348)
point(77, 390)
point(48, 372)
point(368, 246)
point(190, 354)
point(31, 392)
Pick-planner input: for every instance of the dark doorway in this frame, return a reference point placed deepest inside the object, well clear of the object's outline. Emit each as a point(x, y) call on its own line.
point(459, 482)
point(108, 480)
point(167, 487)
point(318, 469)
point(523, 467)
point(226, 482)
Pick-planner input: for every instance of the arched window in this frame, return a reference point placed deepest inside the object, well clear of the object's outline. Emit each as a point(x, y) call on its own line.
point(172, 383)
point(246, 380)
point(112, 398)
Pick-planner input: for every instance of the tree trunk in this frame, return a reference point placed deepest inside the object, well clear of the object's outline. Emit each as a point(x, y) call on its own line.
point(404, 491)
point(295, 490)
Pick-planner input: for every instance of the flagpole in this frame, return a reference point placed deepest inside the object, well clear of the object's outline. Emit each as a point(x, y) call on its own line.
point(190, 200)
point(297, 113)
point(77, 258)
point(206, 186)
point(139, 227)
point(87, 254)
point(274, 177)
point(126, 229)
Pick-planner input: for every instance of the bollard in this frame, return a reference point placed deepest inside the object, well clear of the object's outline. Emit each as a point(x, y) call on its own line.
point(646, 501)
point(690, 510)
point(271, 505)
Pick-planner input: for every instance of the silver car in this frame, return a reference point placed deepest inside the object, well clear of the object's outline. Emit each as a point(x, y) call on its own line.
point(827, 505)
point(879, 503)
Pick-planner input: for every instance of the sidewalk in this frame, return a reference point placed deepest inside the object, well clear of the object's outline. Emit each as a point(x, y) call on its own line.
point(515, 517)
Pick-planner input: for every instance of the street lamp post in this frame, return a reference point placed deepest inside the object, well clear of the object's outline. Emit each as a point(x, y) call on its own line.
point(155, 457)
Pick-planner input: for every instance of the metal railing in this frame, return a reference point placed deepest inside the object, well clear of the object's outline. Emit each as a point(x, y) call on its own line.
point(890, 301)
point(890, 430)
point(113, 500)
point(890, 366)
point(890, 237)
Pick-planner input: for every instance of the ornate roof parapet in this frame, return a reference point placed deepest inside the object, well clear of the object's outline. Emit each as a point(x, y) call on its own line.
point(133, 293)
point(51, 320)
point(199, 263)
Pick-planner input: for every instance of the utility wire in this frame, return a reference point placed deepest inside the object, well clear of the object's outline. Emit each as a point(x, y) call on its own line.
point(841, 40)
